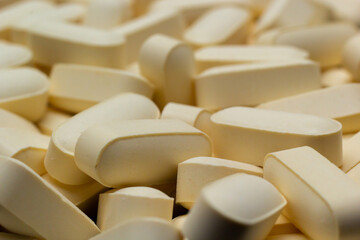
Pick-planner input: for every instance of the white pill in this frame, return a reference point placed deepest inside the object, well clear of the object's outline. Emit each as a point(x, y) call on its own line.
point(12, 120)
point(13, 55)
point(351, 56)
point(51, 120)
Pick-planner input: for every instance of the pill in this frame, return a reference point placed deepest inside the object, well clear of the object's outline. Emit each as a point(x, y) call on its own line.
point(13, 55)
point(346, 9)
point(138, 152)
point(252, 84)
point(59, 160)
point(194, 116)
point(51, 120)
point(351, 153)
point(290, 13)
point(328, 208)
point(225, 25)
point(169, 64)
point(24, 91)
point(29, 206)
point(239, 206)
point(149, 228)
point(74, 88)
point(351, 56)
point(117, 206)
point(344, 107)
point(295, 236)
point(27, 146)
point(12, 120)
point(214, 56)
point(324, 42)
point(10, 236)
point(241, 134)
point(283, 226)
point(195, 173)
point(335, 77)
point(58, 42)
point(179, 222)
point(136, 31)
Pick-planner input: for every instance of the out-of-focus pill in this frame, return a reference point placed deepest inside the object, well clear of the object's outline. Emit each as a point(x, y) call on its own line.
point(28, 147)
point(13, 55)
point(252, 84)
point(12, 120)
point(195, 173)
point(283, 226)
point(51, 120)
point(346, 9)
point(179, 222)
point(351, 153)
point(117, 206)
point(324, 42)
point(24, 91)
point(10, 236)
point(59, 160)
point(75, 88)
point(225, 25)
point(239, 206)
point(241, 134)
point(344, 107)
point(290, 13)
point(209, 57)
point(293, 236)
point(58, 42)
point(328, 208)
point(170, 65)
point(149, 228)
point(170, 23)
point(138, 152)
point(336, 76)
point(29, 205)
point(351, 56)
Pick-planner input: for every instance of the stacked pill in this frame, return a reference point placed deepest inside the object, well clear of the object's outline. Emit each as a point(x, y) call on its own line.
point(180, 119)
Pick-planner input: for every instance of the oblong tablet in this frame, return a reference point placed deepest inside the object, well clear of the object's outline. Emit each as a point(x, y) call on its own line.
point(351, 152)
point(336, 76)
point(138, 152)
point(248, 134)
point(209, 57)
point(51, 120)
point(283, 226)
point(13, 55)
point(345, 106)
point(324, 42)
point(29, 206)
point(328, 208)
point(56, 42)
point(24, 91)
point(59, 160)
point(75, 88)
point(12, 120)
point(223, 25)
point(195, 173)
point(149, 228)
point(252, 84)
point(117, 206)
point(170, 65)
point(351, 56)
point(239, 206)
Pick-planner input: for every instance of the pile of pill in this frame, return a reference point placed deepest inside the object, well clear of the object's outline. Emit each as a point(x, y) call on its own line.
point(180, 119)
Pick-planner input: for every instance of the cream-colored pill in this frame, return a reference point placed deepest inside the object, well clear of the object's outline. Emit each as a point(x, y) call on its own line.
point(58, 42)
point(293, 236)
point(26, 146)
point(107, 14)
point(248, 134)
point(351, 153)
point(347, 10)
point(179, 222)
point(252, 84)
point(170, 23)
point(83, 196)
point(351, 56)
point(328, 208)
point(239, 206)
point(336, 76)
point(344, 107)
point(195, 173)
point(24, 91)
point(10, 236)
point(59, 160)
point(29, 205)
point(118, 206)
point(12, 120)
point(74, 88)
point(51, 120)
point(290, 13)
point(194, 116)
point(13, 55)
point(149, 228)
point(170, 65)
point(324, 42)
point(225, 25)
point(214, 56)
point(283, 226)
point(138, 152)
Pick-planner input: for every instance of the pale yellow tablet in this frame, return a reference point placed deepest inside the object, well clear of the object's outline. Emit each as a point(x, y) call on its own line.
point(179, 222)
point(13, 55)
point(351, 56)
point(239, 206)
point(59, 161)
point(12, 120)
point(283, 226)
point(336, 76)
point(138, 152)
point(322, 200)
point(51, 120)
point(74, 88)
point(345, 9)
